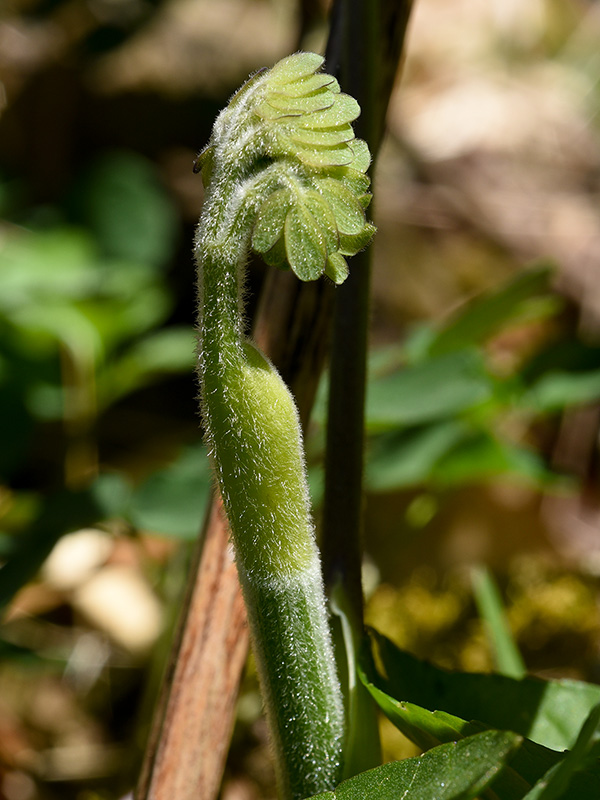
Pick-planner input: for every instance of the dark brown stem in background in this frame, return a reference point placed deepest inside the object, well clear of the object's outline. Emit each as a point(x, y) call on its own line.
point(364, 52)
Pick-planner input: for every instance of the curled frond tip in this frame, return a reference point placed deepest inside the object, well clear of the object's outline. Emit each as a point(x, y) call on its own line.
point(293, 124)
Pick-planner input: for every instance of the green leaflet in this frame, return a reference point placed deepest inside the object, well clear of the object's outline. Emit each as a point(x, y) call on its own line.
point(344, 110)
point(338, 156)
point(288, 138)
point(321, 137)
point(294, 67)
point(336, 268)
point(304, 243)
point(305, 104)
point(270, 220)
point(308, 85)
point(349, 214)
point(323, 214)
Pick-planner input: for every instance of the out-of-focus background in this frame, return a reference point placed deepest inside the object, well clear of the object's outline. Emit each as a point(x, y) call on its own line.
point(484, 401)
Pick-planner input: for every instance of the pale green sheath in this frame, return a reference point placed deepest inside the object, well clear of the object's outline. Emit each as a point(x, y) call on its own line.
point(284, 176)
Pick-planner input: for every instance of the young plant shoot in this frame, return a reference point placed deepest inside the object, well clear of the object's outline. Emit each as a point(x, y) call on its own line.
point(285, 177)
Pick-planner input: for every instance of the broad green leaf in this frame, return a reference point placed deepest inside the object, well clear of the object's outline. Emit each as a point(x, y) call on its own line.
point(564, 780)
point(304, 244)
point(172, 501)
point(407, 458)
point(429, 728)
point(433, 390)
point(547, 712)
point(480, 456)
point(58, 263)
point(129, 211)
point(485, 315)
point(560, 389)
point(456, 771)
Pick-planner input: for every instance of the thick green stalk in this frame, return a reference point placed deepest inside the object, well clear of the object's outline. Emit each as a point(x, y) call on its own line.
point(254, 437)
point(274, 185)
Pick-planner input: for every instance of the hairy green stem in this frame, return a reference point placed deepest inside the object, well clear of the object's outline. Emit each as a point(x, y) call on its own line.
point(254, 437)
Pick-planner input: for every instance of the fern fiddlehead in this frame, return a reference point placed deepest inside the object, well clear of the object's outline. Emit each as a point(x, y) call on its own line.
point(284, 176)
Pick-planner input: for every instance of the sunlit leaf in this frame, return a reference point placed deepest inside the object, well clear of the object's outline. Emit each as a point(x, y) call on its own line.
point(458, 771)
point(304, 243)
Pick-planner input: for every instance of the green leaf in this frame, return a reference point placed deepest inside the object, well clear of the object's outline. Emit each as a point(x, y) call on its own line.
point(456, 771)
point(172, 501)
point(428, 728)
point(324, 216)
point(485, 315)
point(267, 112)
point(362, 155)
point(321, 137)
point(166, 351)
point(304, 104)
point(481, 456)
point(407, 458)
point(353, 179)
point(277, 256)
point(270, 220)
point(489, 603)
point(547, 712)
point(307, 85)
point(293, 68)
point(560, 389)
point(336, 268)
point(304, 244)
point(349, 214)
point(323, 156)
point(436, 389)
point(562, 781)
point(350, 245)
point(344, 110)
point(129, 211)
